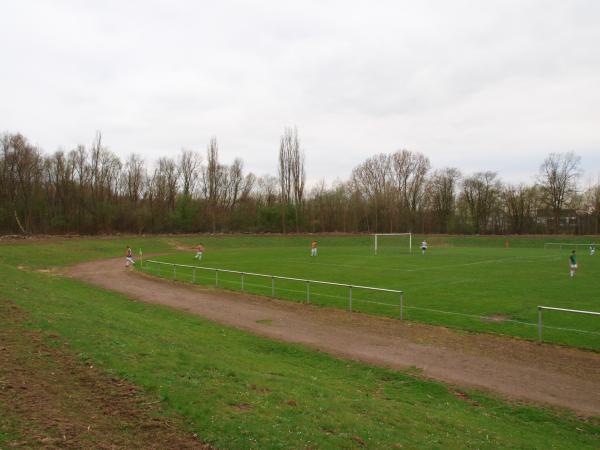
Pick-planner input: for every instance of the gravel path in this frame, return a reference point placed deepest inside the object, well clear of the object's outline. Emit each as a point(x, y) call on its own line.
point(513, 368)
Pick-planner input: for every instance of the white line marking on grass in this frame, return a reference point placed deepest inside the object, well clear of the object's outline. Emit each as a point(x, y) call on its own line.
point(411, 286)
point(414, 268)
point(486, 261)
point(298, 261)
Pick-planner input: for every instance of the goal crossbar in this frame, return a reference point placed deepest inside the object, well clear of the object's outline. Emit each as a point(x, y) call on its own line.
point(568, 244)
point(376, 235)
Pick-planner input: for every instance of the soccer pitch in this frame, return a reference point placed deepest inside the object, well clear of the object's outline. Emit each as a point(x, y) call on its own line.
point(471, 283)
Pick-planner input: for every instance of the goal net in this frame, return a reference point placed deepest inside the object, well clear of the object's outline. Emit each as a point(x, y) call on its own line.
point(392, 243)
point(569, 245)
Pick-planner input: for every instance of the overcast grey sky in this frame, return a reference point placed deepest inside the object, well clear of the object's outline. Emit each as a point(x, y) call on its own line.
point(479, 85)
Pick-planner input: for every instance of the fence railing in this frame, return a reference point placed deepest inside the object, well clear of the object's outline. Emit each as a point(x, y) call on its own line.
point(307, 293)
point(273, 278)
point(550, 308)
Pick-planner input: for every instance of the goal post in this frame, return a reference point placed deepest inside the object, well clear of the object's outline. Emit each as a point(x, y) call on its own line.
point(377, 241)
point(561, 245)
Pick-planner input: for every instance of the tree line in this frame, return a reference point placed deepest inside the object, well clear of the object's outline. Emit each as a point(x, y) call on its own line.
point(90, 190)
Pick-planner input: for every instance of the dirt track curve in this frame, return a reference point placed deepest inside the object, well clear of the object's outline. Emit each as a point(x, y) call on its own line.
point(513, 368)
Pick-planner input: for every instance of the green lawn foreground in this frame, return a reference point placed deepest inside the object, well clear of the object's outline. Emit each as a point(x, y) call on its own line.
point(238, 390)
point(470, 283)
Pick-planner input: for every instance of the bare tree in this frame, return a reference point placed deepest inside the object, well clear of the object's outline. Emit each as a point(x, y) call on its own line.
point(248, 186)
point(284, 171)
point(520, 203)
point(267, 186)
point(22, 171)
point(134, 178)
point(60, 191)
point(213, 180)
point(442, 193)
point(591, 206)
point(480, 192)
point(409, 171)
point(291, 173)
point(234, 184)
point(298, 176)
point(79, 158)
point(373, 181)
point(558, 181)
point(169, 176)
point(189, 164)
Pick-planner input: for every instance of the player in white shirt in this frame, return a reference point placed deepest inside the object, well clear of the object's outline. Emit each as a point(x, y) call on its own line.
point(423, 246)
point(129, 257)
point(592, 250)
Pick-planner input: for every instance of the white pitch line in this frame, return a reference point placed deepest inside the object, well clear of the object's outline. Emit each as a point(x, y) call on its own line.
point(349, 266)
point(486, 261)
point(411, 286)
point(418, 269)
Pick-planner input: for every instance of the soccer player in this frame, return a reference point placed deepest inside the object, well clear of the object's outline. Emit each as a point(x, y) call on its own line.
point(423, 246)
point(573, 263)
point(199, 252)
point(129, 257)
point(592, 250)
point(313, 248)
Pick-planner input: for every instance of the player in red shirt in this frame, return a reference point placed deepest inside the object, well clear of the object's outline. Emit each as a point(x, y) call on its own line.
point(199, 252)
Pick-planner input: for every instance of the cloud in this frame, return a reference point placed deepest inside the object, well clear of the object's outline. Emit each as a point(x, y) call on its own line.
point(476, 85)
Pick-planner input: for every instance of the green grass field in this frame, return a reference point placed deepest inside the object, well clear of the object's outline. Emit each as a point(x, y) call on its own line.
point(472, 283)
point(237, 390)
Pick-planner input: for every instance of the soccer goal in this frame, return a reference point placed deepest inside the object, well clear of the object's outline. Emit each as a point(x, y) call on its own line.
point(571, 245)
point(397, 241)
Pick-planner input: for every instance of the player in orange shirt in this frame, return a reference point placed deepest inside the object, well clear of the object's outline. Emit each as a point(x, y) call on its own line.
point(313, 248)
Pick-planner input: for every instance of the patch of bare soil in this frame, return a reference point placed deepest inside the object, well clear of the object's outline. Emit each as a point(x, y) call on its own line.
point(51, 399)
point(182, 248)
point(496, 318)
point(514, 368)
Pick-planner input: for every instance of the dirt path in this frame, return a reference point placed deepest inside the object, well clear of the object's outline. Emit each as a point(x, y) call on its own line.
point(513, 368)
point(49, 398)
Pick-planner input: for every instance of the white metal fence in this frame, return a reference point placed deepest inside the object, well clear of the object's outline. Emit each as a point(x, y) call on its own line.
point(307, 293)
point(308, 283)
point(550, 308)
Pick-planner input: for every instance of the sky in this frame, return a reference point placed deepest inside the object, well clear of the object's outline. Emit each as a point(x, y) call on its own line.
point(477, 85)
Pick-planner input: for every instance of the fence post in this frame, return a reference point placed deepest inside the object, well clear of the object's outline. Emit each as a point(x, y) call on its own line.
point(401, 305)
point(216, 277)
point(350, 298)
point(174, 272)
point(272, 286)
point(242, 273)
point(539, 324)
point(307, 291)
point(194, 276)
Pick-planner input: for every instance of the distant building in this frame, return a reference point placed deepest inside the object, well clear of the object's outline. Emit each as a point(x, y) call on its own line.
point(568, 217)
